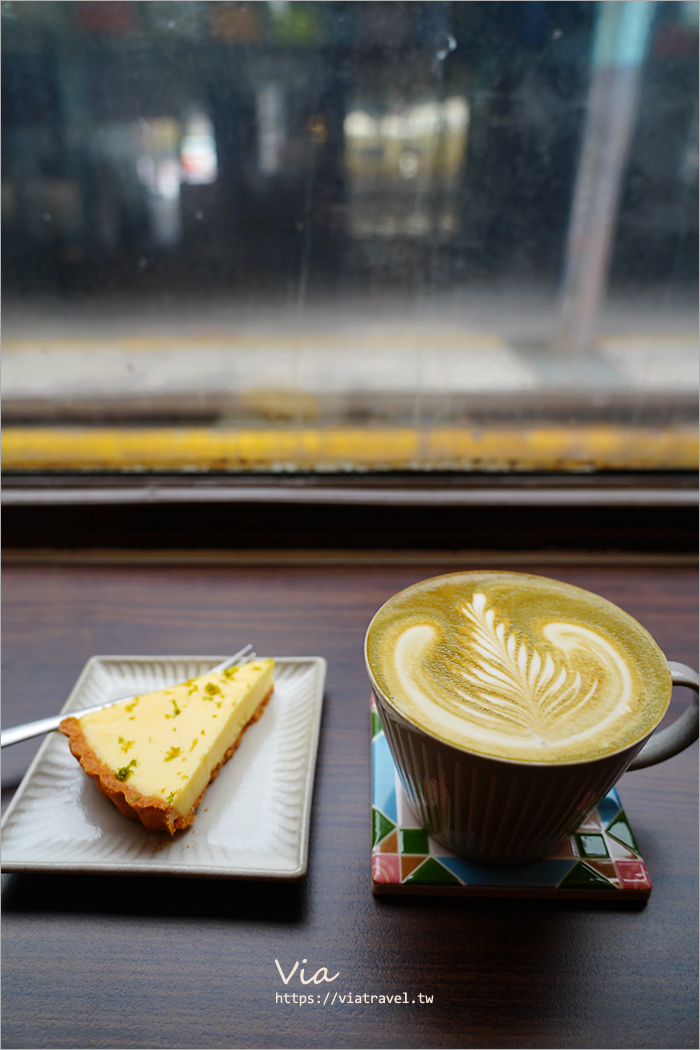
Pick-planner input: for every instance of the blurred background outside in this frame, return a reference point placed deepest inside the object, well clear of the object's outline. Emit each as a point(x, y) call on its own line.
point(337, 236)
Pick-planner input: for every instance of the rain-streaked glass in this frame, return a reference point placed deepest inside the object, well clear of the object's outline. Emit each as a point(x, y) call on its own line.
point(337, 236)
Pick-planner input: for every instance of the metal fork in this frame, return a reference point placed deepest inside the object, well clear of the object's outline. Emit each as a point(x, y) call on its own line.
point(45, 725)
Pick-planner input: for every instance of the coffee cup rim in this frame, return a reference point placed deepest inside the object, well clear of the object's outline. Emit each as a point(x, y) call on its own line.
point(633, 746)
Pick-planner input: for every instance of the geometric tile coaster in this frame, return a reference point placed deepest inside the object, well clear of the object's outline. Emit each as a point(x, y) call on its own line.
point(600, 861)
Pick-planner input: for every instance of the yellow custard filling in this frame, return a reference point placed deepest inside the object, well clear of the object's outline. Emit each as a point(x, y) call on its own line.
point(166, 744)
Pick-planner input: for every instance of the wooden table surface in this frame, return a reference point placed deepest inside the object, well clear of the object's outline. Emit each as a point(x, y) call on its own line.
point(106, 961)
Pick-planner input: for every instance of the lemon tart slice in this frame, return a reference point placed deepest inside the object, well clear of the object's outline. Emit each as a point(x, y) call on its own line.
point(154, 756)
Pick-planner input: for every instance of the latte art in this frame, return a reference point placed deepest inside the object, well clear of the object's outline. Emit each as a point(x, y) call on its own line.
point(511, 692)
point(517, 666)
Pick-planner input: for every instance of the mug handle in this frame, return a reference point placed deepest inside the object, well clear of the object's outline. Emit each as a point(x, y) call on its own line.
point(679, 734)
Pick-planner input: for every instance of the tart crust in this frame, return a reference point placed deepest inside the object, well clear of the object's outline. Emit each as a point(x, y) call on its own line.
point(154, 813)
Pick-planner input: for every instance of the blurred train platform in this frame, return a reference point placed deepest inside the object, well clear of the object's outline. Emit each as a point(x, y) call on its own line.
point(482, 354)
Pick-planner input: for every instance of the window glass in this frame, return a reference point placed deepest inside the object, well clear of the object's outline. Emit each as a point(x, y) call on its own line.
point(349, 236)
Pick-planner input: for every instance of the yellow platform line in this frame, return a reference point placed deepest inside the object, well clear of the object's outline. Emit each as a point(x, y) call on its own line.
point(291, 340)
point(241, 341)
point(342, 448)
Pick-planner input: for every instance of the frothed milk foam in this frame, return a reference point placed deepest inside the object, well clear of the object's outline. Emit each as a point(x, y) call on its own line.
point(518, 666)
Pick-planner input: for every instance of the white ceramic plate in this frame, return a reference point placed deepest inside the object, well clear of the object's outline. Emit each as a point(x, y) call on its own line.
point(252, 823)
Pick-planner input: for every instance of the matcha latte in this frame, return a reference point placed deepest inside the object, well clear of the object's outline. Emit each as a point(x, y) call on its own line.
point(518, 667)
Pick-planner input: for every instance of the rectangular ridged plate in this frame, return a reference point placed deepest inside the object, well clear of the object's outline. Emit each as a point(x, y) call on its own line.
point(252, 823)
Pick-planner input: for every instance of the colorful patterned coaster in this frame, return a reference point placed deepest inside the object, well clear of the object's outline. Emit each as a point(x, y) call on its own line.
point(600, 861)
